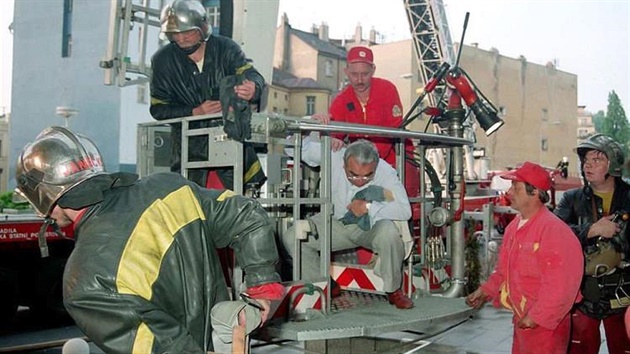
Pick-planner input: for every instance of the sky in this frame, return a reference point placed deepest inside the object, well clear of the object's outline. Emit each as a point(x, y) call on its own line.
point(589, 38)
point(584, 37)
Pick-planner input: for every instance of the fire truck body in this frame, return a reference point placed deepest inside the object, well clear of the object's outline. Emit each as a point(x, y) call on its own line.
point(27, 279)
point(290, 195)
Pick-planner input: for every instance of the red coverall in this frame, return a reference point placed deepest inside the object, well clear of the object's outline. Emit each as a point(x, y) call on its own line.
point(383, 108)
point(538, 274)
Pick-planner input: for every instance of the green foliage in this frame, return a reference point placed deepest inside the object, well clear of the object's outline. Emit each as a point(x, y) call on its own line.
point(598, 120)
point(615, 124)
point(6, 201)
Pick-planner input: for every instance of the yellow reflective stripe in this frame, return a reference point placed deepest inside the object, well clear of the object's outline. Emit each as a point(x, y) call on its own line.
point(142, 257)
point(143, 343)
point(242, 69)
point(252, 171)
point(155, 101)
point(226, 194)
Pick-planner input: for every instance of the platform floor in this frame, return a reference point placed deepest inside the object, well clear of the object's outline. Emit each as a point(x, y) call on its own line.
point(488, 331)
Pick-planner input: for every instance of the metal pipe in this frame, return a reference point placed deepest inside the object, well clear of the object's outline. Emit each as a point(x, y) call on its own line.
point(458, 280)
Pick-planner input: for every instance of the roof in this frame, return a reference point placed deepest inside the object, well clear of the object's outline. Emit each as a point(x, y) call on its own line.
point(290, 81)
point(320, 45)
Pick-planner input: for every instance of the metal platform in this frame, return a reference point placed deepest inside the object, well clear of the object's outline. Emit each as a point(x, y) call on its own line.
point(369, 315)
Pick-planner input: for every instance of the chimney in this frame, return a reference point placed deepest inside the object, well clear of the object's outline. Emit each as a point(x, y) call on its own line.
point(323, 32)
point(372, 36)
point(358, 34)
point(314, 29)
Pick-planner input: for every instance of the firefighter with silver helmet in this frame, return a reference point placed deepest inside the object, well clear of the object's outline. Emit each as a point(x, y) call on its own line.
point(198, 73)
point(144, 274)
point(598, 215)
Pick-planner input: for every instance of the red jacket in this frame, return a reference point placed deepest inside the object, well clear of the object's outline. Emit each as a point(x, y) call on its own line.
point(383, 108)
point(539, 270)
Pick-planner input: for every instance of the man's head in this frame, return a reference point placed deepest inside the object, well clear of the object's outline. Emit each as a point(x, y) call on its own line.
point(600, 158)
point(56, 162)
point(360, 162)
point(530, 184)
point(185, 23)
point(360, 68)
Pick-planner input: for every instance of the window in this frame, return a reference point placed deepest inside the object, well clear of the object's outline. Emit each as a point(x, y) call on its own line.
point(275, 95)
point(286, 111)
point(66, 35)
point(310, 105)
point(275, 109)
point(329, 68)
point(213, 16)
point(286, 97)
point(544, 144)
point(545, 115)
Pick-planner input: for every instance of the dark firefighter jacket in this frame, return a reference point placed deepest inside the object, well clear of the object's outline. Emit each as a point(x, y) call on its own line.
point(145, 274)
point(576, 209)
point(177, 87)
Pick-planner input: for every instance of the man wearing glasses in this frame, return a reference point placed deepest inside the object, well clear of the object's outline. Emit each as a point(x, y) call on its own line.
point(363, 187)
point(594, 212)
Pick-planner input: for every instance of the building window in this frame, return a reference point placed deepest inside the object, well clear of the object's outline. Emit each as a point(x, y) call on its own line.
point(213, 16)
point(275, 109)
point(66, 35)
point(286, 111)
point(310, 105)
point(329, 68)
point(544, 144)
point(275, 95)
point(544, 115)
point(286, 97)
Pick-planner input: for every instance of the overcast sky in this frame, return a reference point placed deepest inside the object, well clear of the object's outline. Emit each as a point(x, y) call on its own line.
point(586, 38)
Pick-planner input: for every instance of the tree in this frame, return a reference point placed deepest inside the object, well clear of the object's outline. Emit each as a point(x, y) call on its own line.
point(598, 120)
point(615, 124)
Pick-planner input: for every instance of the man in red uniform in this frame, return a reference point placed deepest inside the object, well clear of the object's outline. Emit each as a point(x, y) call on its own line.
point(372, 101)
point(535, 275)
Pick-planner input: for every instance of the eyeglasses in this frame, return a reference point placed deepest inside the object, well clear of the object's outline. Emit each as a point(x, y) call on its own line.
point(596, 162)
point(360, 178)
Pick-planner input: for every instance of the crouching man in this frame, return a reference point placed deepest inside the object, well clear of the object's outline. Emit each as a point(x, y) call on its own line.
point(367, 196)
point(144, 274)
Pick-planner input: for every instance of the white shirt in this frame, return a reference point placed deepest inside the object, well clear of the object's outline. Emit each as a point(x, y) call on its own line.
point(342, 190)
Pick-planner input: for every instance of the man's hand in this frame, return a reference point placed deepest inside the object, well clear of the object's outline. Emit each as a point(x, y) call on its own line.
point(358, 207)
point(322, 118)
point(604, 227)
point(246, 90)
point(476, 299)
point(526, 323)
point(207, 107)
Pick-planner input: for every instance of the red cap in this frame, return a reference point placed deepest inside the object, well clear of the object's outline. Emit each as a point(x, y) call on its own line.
point(360, 55)
point(530, 173)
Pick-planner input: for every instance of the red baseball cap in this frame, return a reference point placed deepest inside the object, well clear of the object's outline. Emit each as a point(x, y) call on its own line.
point(360, 54)
point(530, 173)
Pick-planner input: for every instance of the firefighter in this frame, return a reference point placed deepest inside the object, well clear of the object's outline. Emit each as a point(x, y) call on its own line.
point(373, 101)
point(144, 273)
point(535, 275)
point(590, 211)
point(187, 81)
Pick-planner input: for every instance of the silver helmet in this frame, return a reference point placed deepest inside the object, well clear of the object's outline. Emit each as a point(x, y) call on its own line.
point(184, 15)
point(608, 146)
point(57, 161)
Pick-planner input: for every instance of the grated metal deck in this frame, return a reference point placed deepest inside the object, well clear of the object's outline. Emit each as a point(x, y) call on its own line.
point(361, 315)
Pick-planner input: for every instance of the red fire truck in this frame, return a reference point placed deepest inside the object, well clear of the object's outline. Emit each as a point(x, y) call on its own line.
point(27, 278)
